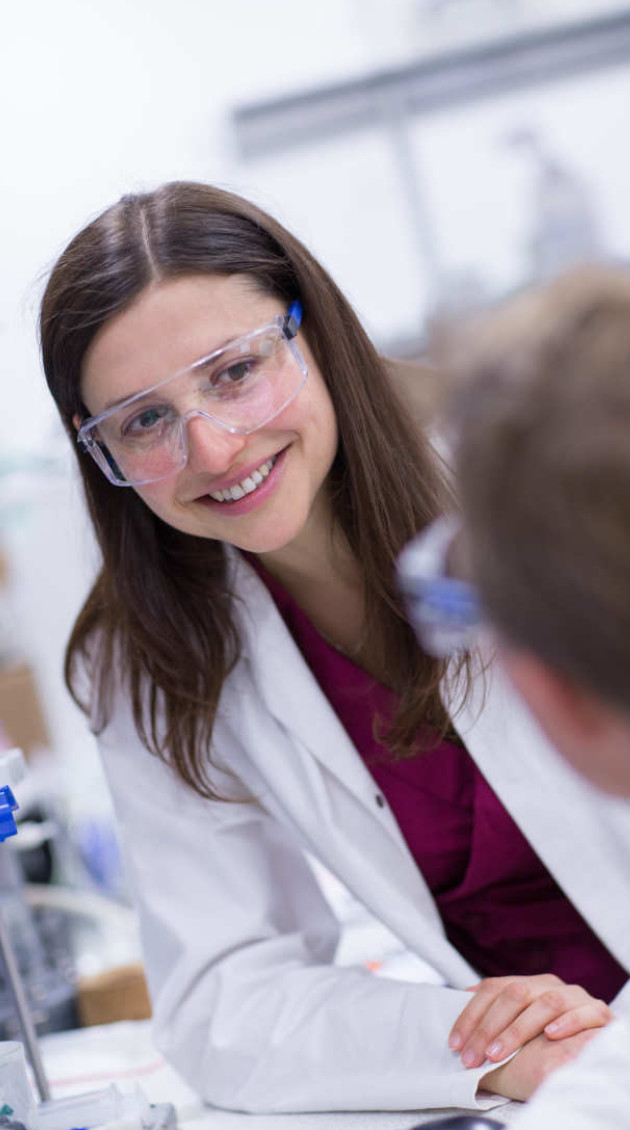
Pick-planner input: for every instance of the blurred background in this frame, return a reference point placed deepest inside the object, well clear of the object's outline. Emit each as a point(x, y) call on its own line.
point(434, 154)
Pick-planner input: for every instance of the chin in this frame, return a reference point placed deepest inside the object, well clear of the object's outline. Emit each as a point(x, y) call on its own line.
point(264, 542)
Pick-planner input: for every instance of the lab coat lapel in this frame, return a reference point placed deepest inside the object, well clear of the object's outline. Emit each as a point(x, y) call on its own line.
point(365, 846)
point(289, 690)
point(581, 836)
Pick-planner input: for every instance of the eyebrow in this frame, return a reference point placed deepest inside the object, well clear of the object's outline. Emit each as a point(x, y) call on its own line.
point(204, 357)
point(132, 395)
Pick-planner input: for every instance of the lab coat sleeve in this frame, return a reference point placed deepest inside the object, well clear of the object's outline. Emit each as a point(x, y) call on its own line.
point(591, 1093)
point(621, 1004)
point(239, 946)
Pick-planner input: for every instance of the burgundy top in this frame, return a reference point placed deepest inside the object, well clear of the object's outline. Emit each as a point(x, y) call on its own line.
point(500, 906)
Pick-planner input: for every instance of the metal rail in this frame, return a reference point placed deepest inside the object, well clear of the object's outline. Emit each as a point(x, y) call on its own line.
point(451, 78)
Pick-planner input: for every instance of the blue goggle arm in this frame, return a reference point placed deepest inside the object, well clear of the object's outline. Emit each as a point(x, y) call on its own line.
point(293, 320)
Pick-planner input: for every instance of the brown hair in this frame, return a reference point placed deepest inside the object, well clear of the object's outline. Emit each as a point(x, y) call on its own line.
point(170, 628)
point(542, 413)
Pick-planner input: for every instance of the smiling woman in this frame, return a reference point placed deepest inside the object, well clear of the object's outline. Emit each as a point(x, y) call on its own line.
point(239, 387)
point(198, 452)
point(252, 475)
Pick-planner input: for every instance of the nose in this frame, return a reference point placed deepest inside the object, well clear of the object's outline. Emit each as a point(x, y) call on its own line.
point(210, 447)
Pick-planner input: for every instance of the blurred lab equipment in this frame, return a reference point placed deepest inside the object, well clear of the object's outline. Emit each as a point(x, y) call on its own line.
point(100, 1108)
point(39, 944)
point(564, 225)
point(18, 1107)
point(17, 933)
point(31, 991)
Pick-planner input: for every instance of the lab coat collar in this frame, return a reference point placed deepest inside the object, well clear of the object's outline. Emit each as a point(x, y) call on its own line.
point(555, 809)
point(287, 686)
point(572, 826)
point(365, 835)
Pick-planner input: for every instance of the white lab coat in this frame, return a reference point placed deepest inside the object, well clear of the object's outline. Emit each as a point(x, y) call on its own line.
point(239, 943)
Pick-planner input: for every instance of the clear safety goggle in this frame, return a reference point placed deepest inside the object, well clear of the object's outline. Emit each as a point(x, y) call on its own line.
point(445, 611)
point(238, 388)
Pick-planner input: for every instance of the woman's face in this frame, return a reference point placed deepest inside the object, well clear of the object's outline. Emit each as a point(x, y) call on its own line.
point(168, 327)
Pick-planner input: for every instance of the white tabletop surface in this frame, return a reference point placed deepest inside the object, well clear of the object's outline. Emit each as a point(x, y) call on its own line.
point(90, 1058)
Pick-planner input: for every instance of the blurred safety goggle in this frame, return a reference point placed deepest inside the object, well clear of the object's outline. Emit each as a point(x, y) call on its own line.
point(444, 610)
point(238, 388)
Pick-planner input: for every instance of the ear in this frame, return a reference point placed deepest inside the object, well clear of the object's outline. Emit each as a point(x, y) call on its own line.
point(590, 733)
point(76, 420)
point(562, 706)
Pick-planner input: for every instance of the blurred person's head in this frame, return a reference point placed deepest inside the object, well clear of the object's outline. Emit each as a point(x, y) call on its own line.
point(542, 416)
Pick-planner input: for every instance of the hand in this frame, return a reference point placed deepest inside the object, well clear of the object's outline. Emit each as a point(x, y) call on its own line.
point(519, 1078)
point(506, 1012)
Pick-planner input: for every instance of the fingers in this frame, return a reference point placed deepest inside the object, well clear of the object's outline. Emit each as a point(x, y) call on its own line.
point(595, 1014)
point(522, 1075)
point(513, 1018)
point(552, 1007)
point(471, 1034)
point(506, 1013)
point(484, 993)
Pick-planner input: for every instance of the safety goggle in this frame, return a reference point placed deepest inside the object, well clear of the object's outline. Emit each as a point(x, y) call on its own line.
point(238, 388)
point(445, 611)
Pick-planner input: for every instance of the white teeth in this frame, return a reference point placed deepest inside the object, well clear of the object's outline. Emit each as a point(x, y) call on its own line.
point(247, 485)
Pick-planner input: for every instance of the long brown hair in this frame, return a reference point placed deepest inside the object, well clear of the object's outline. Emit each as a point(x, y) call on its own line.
point(541, 407)
point(160, 611)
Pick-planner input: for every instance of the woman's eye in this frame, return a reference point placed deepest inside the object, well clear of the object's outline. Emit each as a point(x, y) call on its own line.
point(234, 374)
point(145, 421)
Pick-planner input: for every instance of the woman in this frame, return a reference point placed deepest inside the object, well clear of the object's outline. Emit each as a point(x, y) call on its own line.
point(259, 695)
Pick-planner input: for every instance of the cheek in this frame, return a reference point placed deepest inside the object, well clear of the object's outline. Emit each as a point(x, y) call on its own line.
point(158, 497)
point(324, 421)
point(328, 431)
point(312, 417)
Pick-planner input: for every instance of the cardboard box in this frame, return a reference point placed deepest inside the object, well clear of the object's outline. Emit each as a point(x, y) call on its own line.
point(21, 711)
point(118, 994)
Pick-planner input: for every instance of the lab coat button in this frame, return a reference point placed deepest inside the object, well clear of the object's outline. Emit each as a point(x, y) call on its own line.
point(380, 800)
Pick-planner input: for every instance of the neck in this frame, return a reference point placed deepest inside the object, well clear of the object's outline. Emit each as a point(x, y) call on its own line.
point(319, 556)
point(320, 572)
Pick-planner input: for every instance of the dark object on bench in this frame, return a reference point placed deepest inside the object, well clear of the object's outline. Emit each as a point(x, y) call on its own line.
point(461, 1122)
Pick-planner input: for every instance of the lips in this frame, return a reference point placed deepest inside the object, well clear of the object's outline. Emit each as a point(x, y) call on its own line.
point(234, 480)
point(249, 499)
point(246, 485)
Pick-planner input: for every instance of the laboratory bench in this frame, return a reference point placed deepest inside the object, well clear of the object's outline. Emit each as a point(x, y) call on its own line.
point(88, 1059)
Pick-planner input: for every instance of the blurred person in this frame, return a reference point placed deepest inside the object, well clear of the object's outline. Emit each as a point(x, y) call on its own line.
point(541, 416)
point(252, 470)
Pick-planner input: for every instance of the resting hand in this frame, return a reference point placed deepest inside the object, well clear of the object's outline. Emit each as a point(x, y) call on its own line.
point(519, 1078)
point(507, 1012)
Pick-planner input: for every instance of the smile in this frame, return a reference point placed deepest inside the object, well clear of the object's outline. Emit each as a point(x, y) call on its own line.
point(247, 485)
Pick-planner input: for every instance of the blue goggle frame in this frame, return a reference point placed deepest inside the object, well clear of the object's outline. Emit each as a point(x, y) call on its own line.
point(444, 611)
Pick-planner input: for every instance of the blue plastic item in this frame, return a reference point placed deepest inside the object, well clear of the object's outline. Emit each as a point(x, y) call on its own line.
point(8, 806)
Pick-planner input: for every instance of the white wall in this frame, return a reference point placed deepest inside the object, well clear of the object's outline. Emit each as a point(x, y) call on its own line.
point(100, 98)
